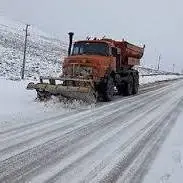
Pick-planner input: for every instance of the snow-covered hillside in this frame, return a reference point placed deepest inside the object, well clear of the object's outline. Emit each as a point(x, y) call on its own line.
point(44, 52)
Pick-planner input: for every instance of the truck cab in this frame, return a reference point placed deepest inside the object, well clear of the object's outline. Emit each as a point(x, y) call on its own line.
point(90, 59)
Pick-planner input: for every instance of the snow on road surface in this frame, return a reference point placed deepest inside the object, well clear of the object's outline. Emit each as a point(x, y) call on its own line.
point(111, 142)
point(168, 166)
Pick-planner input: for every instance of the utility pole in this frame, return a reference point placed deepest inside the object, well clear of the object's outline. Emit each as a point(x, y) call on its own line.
point(173, 68)
point(159, 59)
point(25, 49)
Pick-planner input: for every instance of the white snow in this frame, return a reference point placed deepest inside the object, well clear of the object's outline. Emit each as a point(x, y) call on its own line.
point(168, 165)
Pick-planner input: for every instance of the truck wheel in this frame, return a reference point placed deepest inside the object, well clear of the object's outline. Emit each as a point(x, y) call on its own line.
point(109, 90)
point(129, 87)
point(120, 89)
point(135, 87)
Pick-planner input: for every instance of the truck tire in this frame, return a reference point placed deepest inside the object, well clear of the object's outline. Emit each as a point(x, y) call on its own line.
point(108, 93)
point(120, 89)
point(135, 87)
point(128, 90)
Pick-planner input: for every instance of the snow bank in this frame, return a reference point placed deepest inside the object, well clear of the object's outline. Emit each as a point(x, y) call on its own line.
point(152, 79)
point(16, 100)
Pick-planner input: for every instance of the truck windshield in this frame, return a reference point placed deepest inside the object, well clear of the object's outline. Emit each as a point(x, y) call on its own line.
point(90, 48)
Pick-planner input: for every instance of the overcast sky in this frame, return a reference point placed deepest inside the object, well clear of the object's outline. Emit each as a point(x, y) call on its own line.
point(156, 23)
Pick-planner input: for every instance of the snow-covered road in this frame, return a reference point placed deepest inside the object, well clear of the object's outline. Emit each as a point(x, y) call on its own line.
point(112, 142)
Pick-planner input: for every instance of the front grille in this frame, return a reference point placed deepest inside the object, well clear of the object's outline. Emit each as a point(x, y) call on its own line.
point(82, 71)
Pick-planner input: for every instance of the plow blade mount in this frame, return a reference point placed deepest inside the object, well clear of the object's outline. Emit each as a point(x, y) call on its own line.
point(86, 94)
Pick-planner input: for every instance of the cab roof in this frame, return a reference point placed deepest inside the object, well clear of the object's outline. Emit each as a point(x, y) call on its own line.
point(107, 41)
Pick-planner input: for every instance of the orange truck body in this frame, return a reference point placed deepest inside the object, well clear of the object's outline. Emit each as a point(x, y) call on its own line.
point(130, 55)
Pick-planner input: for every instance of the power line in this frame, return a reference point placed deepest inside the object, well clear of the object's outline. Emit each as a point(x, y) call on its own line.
point(25, 49)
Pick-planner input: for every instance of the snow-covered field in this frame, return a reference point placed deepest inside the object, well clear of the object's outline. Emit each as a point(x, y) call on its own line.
point(109, 142)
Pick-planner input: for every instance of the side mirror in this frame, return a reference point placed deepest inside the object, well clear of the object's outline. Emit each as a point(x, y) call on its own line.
point(114, 52)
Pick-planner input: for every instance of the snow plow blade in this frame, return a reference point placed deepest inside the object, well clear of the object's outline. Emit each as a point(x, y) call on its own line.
point(86, 94)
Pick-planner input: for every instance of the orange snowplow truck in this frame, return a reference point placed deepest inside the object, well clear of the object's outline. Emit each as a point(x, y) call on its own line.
point(94, 69)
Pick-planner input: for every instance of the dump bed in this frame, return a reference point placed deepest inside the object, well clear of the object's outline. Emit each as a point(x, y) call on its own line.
point(130, 54)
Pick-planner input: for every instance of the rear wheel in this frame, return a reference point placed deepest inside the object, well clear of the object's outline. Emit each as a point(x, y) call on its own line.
point(135, 87)
point(129, 87)
point(108, 93)
point(120, 89)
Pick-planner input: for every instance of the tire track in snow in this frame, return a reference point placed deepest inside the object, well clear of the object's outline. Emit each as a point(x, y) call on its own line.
point(137, 170)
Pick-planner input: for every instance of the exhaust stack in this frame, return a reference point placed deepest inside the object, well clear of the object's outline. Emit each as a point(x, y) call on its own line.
point(71, 34)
